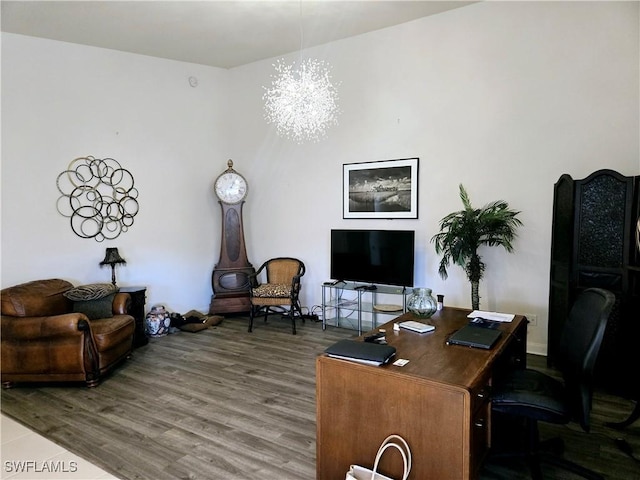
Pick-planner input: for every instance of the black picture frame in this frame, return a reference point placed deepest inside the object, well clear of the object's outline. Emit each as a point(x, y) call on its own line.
point(385, 189)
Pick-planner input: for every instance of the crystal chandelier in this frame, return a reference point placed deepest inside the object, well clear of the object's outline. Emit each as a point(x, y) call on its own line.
point(302, 102)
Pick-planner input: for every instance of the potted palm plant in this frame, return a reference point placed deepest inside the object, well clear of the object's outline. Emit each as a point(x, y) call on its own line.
point(463, 232)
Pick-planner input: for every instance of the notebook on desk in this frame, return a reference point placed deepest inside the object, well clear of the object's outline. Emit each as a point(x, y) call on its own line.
point(363, 352)
point(475, 336)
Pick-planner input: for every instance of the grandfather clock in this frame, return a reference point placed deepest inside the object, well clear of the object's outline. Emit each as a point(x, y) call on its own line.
point(230, 278)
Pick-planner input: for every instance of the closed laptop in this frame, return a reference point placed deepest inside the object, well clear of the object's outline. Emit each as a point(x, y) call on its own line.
point(364, 352)
point(475, 336)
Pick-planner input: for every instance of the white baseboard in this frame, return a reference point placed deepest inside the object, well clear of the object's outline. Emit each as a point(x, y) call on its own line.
point(537, 348)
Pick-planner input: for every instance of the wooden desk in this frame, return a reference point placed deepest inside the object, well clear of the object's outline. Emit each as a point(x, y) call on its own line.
point(438, 402)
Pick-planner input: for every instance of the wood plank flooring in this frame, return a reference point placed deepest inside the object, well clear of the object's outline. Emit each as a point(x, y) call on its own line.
point(227, 404)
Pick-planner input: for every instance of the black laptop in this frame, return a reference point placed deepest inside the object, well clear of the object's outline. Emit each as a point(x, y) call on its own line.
point(363, 352)
point(475, 336)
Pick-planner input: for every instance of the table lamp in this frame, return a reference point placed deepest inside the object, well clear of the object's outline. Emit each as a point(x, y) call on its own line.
point(112, 257)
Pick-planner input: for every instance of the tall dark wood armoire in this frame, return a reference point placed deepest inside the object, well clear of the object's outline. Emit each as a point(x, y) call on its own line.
point(594, 245)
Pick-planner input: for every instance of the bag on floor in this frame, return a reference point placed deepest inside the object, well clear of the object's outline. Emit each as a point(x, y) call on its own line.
point(356, 472)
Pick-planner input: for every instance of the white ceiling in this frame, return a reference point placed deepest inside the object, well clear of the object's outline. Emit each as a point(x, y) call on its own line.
point(217, 33)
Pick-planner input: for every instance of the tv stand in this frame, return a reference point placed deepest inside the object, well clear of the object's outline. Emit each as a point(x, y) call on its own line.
point(367, 287)
point(366, 302)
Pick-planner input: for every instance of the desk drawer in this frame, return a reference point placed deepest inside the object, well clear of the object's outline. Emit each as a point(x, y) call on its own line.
point(479, 437)
point(480, 396)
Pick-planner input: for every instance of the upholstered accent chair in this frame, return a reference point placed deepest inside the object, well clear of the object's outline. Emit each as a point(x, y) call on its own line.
point(278, 290)
point(46, 337)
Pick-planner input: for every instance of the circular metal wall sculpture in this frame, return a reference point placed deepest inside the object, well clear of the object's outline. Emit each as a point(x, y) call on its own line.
point(98, 196)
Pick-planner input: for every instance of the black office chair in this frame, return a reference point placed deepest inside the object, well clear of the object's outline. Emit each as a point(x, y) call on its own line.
point(534, 396)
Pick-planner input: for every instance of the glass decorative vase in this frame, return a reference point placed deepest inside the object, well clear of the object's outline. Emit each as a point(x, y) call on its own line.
point(421, 303)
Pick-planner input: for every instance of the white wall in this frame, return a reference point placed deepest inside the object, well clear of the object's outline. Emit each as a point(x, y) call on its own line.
point(61, 101)
point(503, 97)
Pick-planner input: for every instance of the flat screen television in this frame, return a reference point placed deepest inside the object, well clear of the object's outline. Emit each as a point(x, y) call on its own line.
point(373, 256)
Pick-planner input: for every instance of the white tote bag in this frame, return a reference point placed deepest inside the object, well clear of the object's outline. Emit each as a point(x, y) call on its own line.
point(356, 472)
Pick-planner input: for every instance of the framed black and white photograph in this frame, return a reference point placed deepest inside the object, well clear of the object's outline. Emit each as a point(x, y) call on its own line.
point(382, 189)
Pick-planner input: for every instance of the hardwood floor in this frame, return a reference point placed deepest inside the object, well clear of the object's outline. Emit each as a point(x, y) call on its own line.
point(226, 404)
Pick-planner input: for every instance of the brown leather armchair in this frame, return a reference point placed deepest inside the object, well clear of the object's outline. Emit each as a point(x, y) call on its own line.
point(43, 340)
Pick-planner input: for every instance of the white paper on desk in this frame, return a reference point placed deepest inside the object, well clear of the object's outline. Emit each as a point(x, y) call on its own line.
point(494, 316)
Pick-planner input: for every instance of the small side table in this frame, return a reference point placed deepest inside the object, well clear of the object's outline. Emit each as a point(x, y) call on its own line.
point(138, 300)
